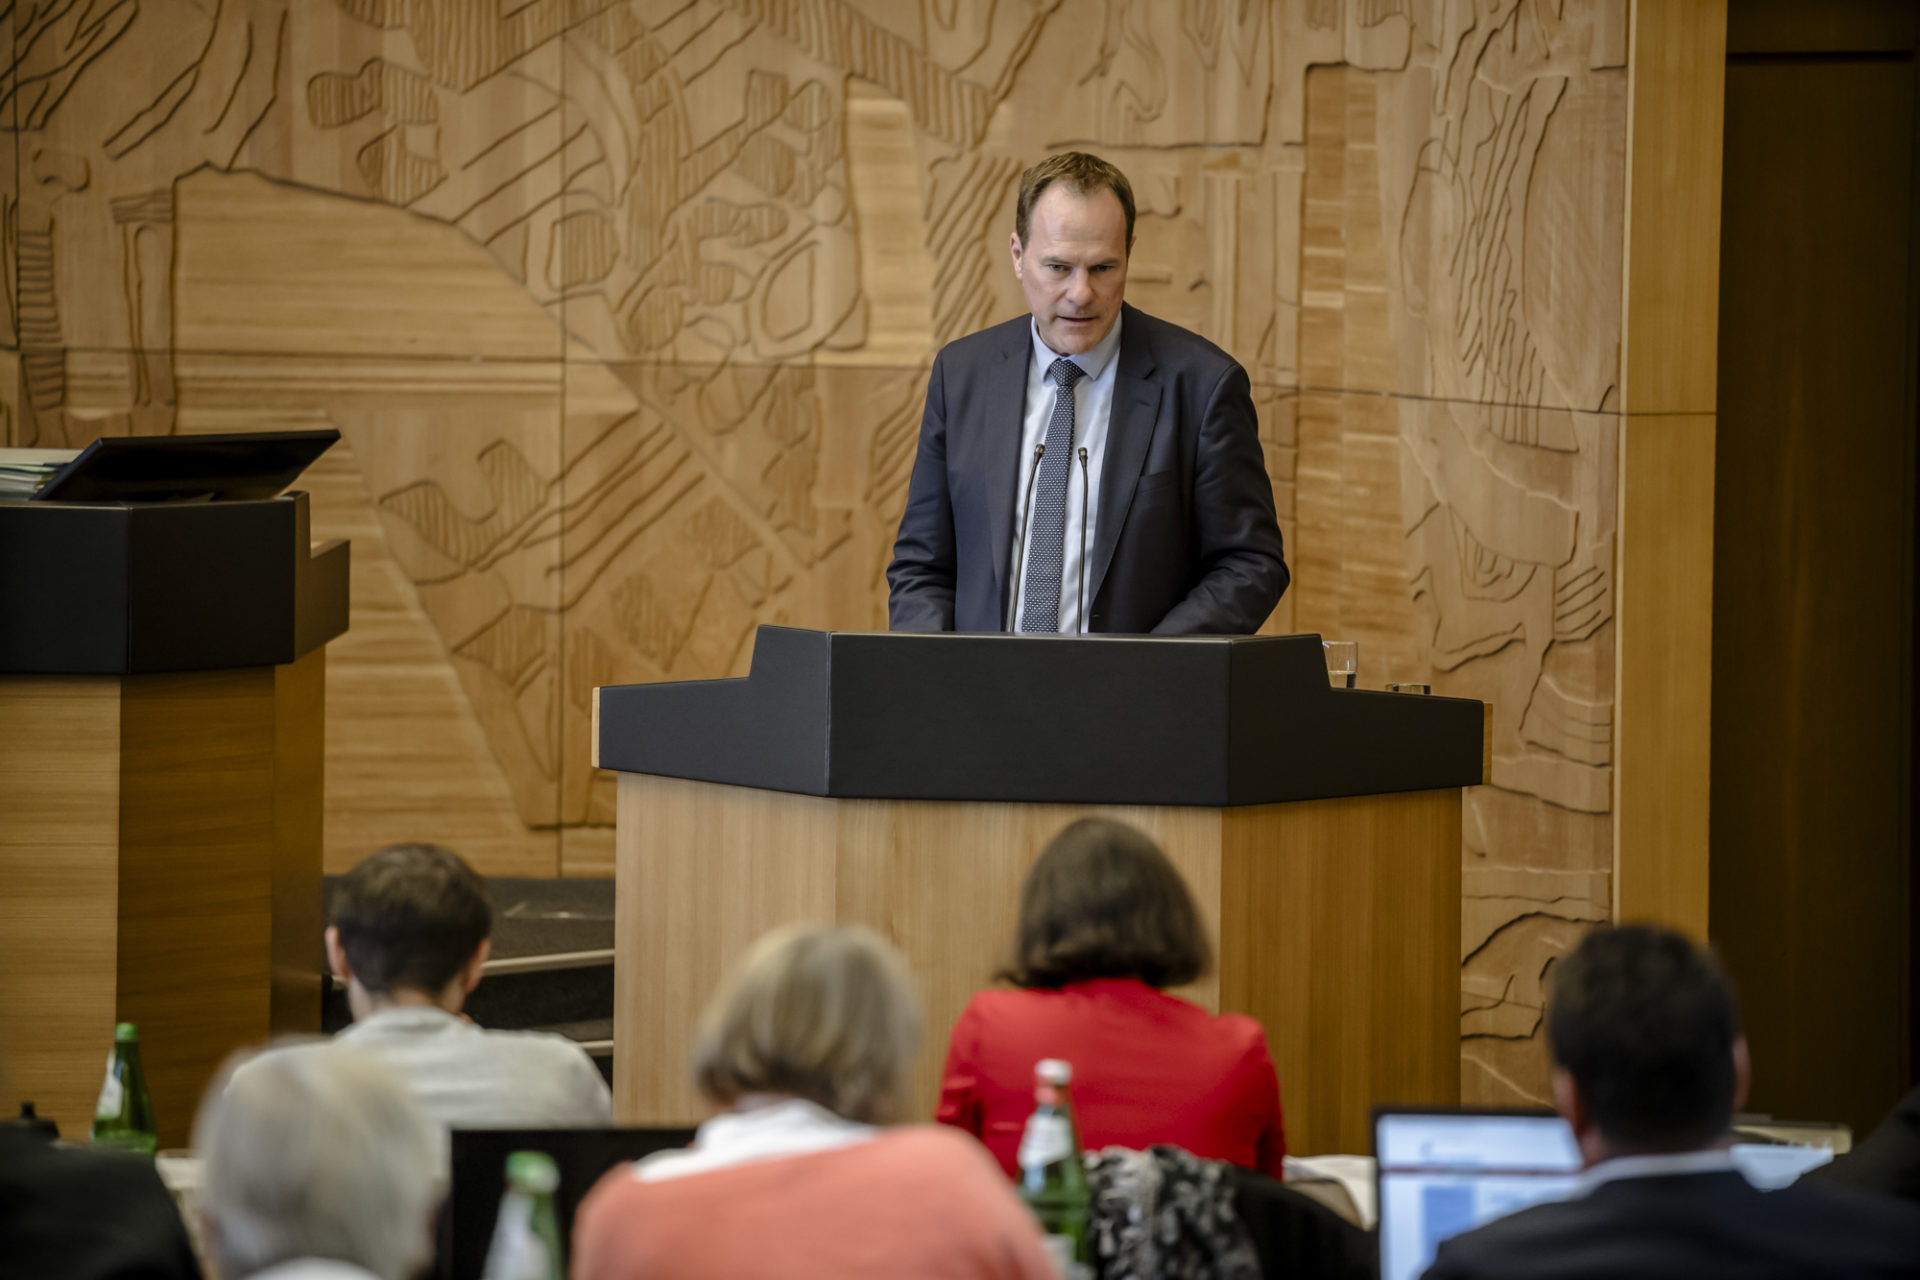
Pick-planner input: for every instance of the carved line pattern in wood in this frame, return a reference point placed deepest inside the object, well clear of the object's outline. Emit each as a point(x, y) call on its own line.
point(626, 309)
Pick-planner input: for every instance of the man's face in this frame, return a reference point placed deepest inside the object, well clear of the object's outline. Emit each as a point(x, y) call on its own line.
point(1073, 267)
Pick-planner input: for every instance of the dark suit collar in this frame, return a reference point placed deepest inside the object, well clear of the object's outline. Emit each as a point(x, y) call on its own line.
point(1136, 408)
point(1006, 401)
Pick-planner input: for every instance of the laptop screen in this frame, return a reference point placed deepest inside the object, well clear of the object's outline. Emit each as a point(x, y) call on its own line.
point(1442, 1173)
point(478, 1164)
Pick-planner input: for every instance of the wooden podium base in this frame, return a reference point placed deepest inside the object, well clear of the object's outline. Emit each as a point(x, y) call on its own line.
point(1337, 924)
point(160, 853)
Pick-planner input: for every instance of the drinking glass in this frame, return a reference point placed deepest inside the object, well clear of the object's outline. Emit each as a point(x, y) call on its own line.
point(1343, 662)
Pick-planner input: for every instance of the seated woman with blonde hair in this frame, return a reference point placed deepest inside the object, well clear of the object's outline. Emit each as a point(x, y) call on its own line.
point(1106, 925)
point(808, 1044)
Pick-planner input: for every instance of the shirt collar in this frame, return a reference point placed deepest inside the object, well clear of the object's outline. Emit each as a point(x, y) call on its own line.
point(1716, 1160)
point(1092, 363)
point(405, 1017)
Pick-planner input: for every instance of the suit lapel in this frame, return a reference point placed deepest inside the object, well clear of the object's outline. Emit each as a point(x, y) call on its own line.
point(1006, 401)
point(1136, 407)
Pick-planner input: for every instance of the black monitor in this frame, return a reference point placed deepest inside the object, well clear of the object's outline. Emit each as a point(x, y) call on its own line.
point(222, 468)
point(478, 1180)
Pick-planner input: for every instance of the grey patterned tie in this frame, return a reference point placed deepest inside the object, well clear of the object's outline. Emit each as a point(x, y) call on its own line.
point(1047, 544)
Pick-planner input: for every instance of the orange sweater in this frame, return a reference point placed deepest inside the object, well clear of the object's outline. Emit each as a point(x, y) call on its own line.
point(919, 1201)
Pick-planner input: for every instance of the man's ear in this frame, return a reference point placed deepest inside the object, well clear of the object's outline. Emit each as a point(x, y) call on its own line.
point(1013, 245)
point(1742, 1073)
point(476, 965)
point(337, 956)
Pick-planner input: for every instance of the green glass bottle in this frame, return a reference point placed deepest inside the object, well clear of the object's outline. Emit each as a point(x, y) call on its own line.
point(1053, 1178)
point(526, 1235)
point(123, 1118)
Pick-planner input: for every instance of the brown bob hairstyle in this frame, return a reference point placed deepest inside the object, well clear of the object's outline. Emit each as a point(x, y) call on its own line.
point(1102, 901)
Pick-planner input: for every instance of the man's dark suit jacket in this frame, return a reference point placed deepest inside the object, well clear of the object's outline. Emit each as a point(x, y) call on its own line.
point(1700, 1226)
point(1184, 541)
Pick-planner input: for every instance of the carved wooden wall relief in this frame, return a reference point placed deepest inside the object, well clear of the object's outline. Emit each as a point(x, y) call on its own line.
point(625, 308)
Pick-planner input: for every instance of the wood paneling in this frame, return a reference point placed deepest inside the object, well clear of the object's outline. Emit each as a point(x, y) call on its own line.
point(60, 793)
point(1665, 587)
point(1335, 921)
point(1666, 669)
point(196, 876)
point(1812, 707)
point(299, 815)
point(145, 883)
point(1676, 105)
point(626, 309)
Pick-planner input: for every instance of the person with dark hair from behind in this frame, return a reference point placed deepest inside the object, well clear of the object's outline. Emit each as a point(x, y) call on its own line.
point(1648, 1068)
point(1106, 926)
point(408, 933)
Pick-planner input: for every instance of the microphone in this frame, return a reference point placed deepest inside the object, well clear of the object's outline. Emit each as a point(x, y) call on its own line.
point(1026, 513)
point(1083, 540)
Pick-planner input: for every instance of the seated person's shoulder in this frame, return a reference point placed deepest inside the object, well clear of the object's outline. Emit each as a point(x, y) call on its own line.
point(1868, 1220)
point(934, 1152)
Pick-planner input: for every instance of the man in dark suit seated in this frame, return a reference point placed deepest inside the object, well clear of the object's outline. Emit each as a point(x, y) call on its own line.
point(1649, 1066)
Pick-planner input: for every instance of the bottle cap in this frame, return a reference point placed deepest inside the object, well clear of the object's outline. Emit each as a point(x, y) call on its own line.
point(1055, 1071)
point(533, 1172)
point(125, 1032)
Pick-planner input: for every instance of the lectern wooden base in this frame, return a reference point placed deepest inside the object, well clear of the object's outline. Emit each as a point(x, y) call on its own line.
point(160, 838)
point(1337, 923)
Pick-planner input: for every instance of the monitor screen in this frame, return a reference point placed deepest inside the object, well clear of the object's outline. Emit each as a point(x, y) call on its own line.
point(478, 1159)
point(1442, 1173)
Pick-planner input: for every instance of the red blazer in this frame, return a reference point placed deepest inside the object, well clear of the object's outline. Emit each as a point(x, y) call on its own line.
point(1147, 1067)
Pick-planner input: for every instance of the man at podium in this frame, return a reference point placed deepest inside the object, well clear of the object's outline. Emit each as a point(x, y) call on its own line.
point(1086, 467)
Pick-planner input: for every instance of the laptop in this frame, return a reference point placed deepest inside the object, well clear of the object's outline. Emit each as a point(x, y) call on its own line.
point(478, 1180)
point(1439, 1172)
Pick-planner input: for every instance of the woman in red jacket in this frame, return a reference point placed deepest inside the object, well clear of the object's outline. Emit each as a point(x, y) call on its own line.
point(1106, 925)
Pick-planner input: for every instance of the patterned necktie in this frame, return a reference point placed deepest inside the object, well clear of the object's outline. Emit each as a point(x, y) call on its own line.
point(1047, 539)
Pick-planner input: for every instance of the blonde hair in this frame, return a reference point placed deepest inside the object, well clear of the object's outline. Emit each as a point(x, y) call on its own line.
point(317, 1152)
point(825, 1014)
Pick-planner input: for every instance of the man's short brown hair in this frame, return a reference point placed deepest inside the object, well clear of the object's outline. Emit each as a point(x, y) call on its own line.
point(1103, 901)
point(410, 917)
point(1079, 173)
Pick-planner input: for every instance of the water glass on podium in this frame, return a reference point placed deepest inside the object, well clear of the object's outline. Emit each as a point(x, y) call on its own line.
point(1343, 662)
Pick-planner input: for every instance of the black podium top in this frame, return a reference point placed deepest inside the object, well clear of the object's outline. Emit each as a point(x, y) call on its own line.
point(1063, 719)
point(119, 588)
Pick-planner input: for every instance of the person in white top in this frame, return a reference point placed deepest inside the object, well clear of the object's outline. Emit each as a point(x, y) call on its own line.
point(317, 1167)
point(409, 934)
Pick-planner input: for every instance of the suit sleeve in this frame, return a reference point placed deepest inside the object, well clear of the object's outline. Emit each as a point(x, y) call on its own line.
point(1243, 569)
point(920, 581)
point(959, 1103)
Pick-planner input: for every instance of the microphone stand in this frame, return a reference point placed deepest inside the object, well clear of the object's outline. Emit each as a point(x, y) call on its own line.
point(1082, 611)
point(1026, 514)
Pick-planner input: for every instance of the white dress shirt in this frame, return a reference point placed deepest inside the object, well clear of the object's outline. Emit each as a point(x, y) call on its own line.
point(1716, 1160)
point(758, 1128)
point(314, 1269)
point(1092, 407)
